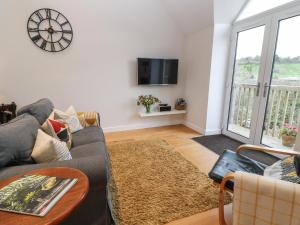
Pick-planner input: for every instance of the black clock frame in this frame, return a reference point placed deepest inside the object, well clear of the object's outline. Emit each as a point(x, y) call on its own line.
point(41, 19)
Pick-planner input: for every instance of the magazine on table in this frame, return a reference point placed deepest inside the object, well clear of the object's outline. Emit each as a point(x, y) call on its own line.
point(34, 194)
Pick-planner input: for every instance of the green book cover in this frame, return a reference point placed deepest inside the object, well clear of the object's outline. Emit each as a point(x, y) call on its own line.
point(33, 194)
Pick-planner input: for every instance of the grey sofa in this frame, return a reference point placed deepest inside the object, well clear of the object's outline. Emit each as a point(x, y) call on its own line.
point(88, 152)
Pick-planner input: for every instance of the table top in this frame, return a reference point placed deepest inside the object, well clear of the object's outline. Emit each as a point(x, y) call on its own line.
point(62, 209)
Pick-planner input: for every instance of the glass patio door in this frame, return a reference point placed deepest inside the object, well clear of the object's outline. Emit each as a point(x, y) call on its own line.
point(263, 92)
point(244, 87)
point(282, 89)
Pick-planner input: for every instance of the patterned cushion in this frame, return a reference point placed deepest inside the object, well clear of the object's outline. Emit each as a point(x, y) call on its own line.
point(59, 130)
point(49, 149)
point(284, 170)
point(69, 117)
point(88, 119)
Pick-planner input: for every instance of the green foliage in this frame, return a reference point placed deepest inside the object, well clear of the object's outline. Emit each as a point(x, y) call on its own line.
point(289, 130)
point(147, 100)
point(247, 68)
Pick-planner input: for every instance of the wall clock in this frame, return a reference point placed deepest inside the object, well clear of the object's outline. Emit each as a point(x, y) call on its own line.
point(49, 30)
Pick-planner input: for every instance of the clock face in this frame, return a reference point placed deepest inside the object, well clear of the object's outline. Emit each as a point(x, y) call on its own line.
point(49, 30)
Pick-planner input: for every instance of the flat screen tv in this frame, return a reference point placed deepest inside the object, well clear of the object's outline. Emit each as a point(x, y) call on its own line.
point(157, 71)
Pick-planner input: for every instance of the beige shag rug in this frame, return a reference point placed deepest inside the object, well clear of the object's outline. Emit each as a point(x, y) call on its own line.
point(152, 184)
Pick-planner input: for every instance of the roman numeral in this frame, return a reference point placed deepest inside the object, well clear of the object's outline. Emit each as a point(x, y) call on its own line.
point(36, 38)
point(48, 13)
point(52, 47)
point(65, 23)
point(33, 29)
point(67, 31)
point(39, 15)
point(44, 44)
point(57, 16)
point(61, 46)
point(32, 20)
point(66, 40)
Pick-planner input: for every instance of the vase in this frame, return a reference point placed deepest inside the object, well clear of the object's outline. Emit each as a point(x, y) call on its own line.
point(148, 108)
point(288, 141)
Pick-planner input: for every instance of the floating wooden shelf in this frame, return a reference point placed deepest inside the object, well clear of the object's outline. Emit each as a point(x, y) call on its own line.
point(172, 112)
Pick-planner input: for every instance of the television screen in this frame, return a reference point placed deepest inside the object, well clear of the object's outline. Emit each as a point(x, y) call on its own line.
point(157, 71)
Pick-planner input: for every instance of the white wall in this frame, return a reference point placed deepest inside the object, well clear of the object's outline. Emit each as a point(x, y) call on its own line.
point(218, 75)
point(198, 53)
point(206, 54)
point(98, 71)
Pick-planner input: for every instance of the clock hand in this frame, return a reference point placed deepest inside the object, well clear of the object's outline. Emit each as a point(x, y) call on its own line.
point(57, 31)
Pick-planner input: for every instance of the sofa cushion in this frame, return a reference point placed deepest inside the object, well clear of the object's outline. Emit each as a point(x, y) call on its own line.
point(17, 139)
point(69, 117)
point(41, 110)
point(87, 135)
point(88, 150)
point(59, 130)
point(49, 149)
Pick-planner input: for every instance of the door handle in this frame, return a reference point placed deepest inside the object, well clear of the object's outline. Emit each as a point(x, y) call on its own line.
point(266, 86)
point(258, 89)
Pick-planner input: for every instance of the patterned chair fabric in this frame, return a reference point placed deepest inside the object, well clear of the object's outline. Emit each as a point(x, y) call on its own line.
point(263, 200)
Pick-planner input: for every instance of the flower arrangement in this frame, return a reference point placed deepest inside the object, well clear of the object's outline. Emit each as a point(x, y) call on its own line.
point(147, 101)
point(289, 130)
point(288, 135)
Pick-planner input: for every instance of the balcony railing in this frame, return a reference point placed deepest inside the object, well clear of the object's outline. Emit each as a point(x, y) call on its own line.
point(283, 107)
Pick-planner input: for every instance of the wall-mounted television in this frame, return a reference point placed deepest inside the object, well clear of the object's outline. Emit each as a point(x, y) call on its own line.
point(157, 71)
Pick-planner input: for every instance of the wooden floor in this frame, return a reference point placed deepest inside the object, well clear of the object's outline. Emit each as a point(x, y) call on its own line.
point(178, 136)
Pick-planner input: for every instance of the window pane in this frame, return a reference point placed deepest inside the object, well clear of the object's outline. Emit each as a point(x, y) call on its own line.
point(245, 77)
point(254, 7)
point(283, 108)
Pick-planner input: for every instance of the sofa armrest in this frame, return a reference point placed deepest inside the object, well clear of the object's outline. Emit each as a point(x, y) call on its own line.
point(89, 119)
point(93, 166)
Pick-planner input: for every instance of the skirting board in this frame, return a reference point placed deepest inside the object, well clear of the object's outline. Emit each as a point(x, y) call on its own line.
point(213, 132)
point(141, 126)
point(161, 124)
point(202, 130)
point(194, 127)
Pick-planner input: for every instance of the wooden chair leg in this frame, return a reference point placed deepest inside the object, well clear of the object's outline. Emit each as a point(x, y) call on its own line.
point(228, 177)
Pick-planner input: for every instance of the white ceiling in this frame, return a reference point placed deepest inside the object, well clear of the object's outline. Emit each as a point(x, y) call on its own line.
point(194, 15)
point(190, 15)
point(226, 11)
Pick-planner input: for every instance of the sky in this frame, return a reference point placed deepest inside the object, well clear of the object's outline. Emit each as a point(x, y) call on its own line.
point(250, 41)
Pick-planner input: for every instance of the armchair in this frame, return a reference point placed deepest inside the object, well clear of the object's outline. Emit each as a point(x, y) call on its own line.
point(255, 190)
point(261, 200)
point(231, 161)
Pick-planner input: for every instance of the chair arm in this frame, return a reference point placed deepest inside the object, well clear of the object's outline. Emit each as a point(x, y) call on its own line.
point(266, 149)
point(228, 177)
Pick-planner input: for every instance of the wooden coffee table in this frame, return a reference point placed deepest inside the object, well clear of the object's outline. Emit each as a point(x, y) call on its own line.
point(62, 209)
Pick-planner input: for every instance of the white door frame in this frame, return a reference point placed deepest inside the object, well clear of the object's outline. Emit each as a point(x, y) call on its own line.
point(269, 67)
point(234, 39)
point(270, 19)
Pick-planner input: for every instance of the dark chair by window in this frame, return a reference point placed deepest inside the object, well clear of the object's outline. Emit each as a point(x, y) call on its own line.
point(7, 112)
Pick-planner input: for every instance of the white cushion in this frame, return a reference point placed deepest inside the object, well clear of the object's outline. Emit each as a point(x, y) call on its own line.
point(69, 117)
point(49, 149)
